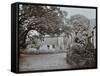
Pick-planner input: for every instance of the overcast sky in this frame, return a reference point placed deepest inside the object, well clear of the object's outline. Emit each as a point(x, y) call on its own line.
point(89, 13)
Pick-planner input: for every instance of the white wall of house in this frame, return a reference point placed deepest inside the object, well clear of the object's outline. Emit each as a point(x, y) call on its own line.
point(57, 41)
point(94, 37)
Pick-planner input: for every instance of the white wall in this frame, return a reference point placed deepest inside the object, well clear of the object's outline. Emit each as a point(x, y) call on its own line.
point(5, 19)
point(50, 41)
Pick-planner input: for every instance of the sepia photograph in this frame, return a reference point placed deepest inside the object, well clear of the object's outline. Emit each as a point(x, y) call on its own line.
point(53, 37)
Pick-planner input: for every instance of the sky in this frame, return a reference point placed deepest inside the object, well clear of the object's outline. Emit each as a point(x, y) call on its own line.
point(89, 13)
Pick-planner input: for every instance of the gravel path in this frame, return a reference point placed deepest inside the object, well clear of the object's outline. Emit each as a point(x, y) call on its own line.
point(43, 62)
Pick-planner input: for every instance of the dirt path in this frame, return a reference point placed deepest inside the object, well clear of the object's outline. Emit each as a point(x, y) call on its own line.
point(43, 62)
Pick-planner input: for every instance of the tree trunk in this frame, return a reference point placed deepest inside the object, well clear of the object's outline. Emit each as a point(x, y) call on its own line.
point(22, 39)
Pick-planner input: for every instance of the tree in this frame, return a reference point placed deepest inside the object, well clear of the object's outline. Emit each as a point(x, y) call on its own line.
point(80, 54)
point(34, 39)
point(44, 19)
point(66, 27)
point(80, 23)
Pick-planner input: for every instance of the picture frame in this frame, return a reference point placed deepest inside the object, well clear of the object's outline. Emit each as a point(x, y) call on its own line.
point(52, 37)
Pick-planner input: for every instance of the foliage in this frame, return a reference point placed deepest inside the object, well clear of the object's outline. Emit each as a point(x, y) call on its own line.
point(81, 54)
point(34, 39)
point(44, 19)
point(80, 23)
